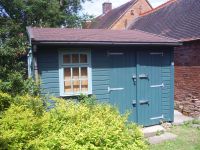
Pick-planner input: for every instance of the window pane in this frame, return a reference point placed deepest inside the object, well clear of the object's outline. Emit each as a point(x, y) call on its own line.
point(84, 85)
point(67, 86)
point(83, 58)
point(75, 73)
point(67, 74)
point(84, 72)
point(76, 86)
point(66, 59)
point(75, 58)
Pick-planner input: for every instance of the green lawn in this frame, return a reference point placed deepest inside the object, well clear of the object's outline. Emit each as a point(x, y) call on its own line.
point(188, 139)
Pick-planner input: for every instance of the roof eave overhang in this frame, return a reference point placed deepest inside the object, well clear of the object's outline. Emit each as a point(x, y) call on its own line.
point(106, 43)
point(190, 40)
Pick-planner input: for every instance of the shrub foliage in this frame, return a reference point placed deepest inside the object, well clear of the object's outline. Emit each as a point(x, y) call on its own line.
point(69, 125)
point(5, 101)
point(15, 16)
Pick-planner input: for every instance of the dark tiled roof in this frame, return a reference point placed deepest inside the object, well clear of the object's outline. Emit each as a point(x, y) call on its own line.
point(106, 20)
point(179, 19)
point(94, 36)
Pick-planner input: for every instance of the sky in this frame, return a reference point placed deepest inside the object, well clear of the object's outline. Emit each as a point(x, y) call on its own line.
point(95, 7)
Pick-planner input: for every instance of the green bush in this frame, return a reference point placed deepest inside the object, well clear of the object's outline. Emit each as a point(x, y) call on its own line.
point(16, 85)
point(70, 126)
point(89, 100)
point(5, 101)
point(36, 104)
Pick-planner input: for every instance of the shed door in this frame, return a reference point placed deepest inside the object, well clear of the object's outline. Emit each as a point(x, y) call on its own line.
point(122, 87)
point(149, 87)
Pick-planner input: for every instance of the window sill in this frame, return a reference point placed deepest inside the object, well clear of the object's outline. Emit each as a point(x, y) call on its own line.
point(74, 94)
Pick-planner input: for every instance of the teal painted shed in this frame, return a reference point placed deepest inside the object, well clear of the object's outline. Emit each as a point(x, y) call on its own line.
point(132, 70)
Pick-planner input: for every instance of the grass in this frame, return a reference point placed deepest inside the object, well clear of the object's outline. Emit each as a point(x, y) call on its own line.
point(188, 138)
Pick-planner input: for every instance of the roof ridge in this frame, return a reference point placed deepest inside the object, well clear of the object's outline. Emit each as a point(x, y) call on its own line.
point(133, 3)
point(114, 9)
point(149, 4)
point(172, 21)
point(158, 8)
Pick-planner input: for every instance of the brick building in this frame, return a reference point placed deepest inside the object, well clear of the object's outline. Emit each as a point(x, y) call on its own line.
point(120, 17)
point(179, 19)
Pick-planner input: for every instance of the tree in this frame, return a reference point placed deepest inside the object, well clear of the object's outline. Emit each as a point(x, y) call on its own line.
point(46, 13)
point(15, 15)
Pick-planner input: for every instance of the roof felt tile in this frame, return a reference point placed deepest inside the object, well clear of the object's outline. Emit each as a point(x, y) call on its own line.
point(94, 36)
point(179, 19)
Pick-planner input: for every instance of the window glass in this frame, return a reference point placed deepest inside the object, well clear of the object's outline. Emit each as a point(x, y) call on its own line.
point(84, 72)
point(83, 58)
point(67, 73)
point(84, 85)
point(75, 73)
point(66, 59)
point(75, 58)
point(76, 86)
point(67, 87)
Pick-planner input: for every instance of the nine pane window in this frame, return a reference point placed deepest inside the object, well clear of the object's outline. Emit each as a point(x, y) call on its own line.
point(75, 76)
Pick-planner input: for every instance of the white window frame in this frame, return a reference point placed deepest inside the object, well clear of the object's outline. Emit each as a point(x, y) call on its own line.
point(71, 65)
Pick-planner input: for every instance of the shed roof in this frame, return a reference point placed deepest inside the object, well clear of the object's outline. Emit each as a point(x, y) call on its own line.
point(95, 36)
point(177, 19)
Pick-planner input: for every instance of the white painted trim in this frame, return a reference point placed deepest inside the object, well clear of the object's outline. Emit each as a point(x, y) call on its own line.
point(160, 85)
point(61, 83)
point(159, 117)
point(114, 89)
point(62, 66)
point(90, 72)
point(30, 64)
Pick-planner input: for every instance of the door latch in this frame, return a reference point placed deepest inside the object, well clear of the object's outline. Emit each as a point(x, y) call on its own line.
point(134, 103)
point(143, 76)
point(159, 117)
point(134, 77)
point(114, 89)
point(142, 102)
point(154, 86)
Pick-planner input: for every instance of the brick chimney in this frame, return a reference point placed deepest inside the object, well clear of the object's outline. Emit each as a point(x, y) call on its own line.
point(107, 6)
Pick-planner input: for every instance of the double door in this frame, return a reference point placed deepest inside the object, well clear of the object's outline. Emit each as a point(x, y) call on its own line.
point(135, 84)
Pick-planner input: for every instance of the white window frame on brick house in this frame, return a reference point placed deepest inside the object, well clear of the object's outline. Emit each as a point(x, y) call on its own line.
point(71, 65)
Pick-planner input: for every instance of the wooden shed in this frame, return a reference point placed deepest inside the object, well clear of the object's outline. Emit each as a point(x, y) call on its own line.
point(187, 56)
point(132, 70)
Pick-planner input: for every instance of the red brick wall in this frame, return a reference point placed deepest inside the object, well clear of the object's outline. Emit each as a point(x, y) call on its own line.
point(187, 78)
